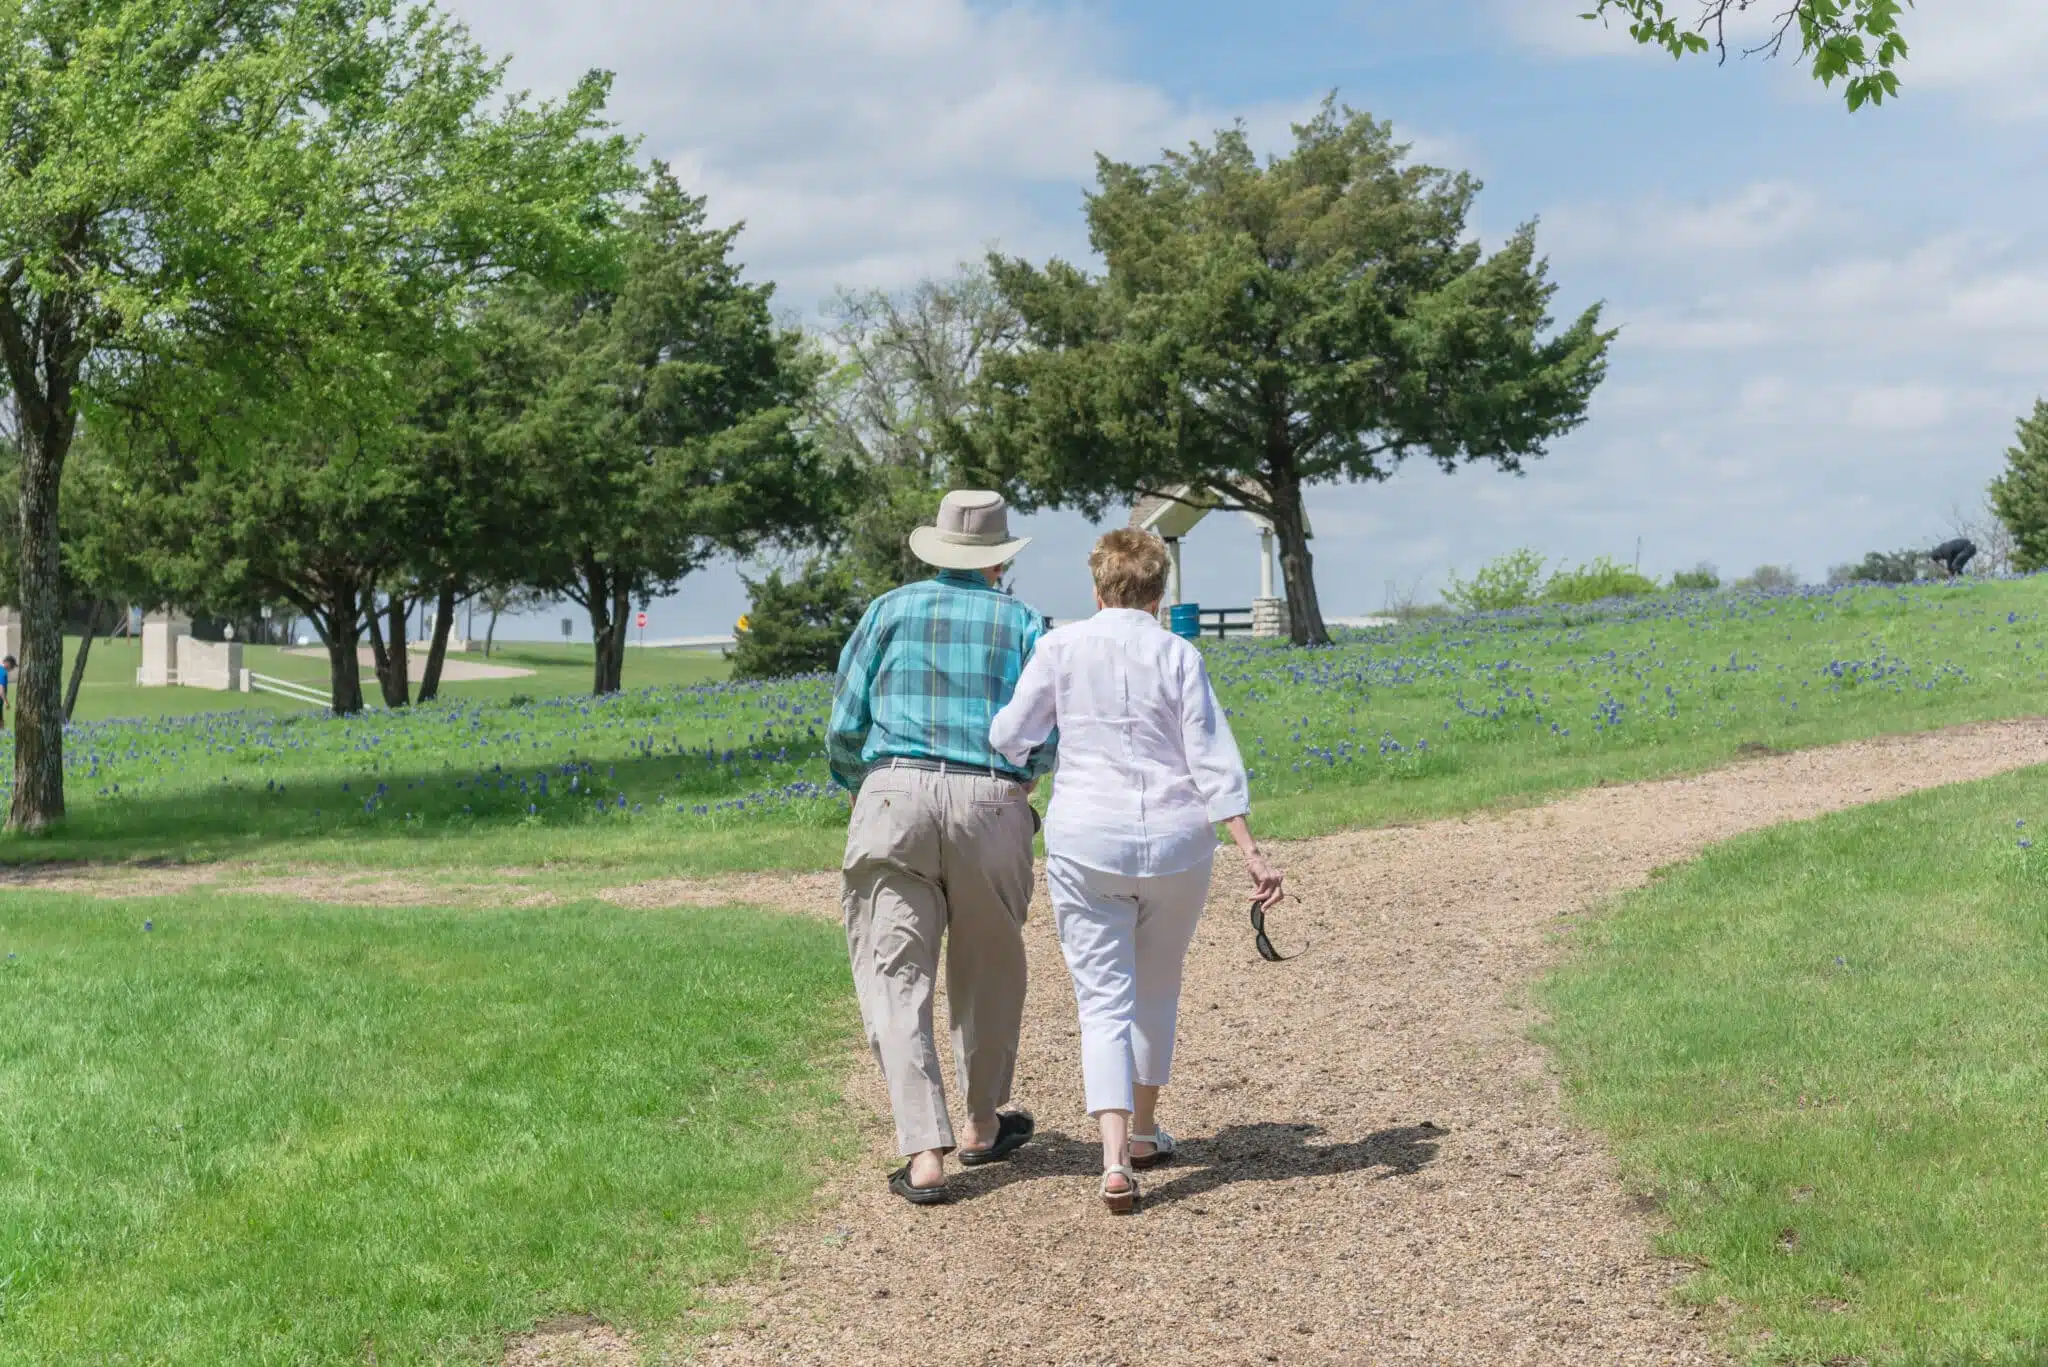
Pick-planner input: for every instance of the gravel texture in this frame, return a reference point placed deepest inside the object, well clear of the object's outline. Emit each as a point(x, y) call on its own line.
point(1376, 1167)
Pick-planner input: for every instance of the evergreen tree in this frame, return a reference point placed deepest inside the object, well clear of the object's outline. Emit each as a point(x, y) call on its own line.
point(2020, 495)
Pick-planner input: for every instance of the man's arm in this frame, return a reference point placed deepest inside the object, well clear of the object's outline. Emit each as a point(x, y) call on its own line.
point(852, 713)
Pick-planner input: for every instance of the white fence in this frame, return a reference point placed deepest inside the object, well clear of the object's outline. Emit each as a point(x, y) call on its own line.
point(253, 682)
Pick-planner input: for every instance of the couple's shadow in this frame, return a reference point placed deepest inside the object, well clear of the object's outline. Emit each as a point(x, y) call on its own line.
point(1265, 1152)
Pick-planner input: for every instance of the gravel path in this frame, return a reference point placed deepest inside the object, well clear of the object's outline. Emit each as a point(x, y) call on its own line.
point(1377, 1168)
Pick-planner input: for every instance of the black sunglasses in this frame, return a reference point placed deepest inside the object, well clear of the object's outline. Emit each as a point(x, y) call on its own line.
point(1265, 946)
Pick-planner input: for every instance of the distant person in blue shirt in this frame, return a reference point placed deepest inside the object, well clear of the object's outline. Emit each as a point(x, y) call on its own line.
point(6, 677)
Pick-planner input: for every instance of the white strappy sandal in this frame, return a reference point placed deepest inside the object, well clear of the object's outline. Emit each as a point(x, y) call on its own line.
point(1162, 1149)
point(1120, 1202)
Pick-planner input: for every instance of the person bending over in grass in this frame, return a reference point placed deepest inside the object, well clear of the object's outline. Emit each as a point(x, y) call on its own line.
point(1954, 556)
point(940, 839)
point(1148, 769)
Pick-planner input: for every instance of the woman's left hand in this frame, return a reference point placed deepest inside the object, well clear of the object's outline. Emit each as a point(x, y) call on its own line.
point(1268, 883)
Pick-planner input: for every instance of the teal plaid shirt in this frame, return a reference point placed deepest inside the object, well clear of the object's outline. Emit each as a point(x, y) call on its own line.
point(925, 673)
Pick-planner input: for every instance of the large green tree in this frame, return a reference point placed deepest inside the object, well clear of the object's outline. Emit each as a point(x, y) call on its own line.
point(668, 426)
point(2020, 495)
point(241, 196)
point(1856, 42)
point(1260, 329)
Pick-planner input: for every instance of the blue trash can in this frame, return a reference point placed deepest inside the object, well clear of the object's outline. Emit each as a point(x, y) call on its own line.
point(1185, 619)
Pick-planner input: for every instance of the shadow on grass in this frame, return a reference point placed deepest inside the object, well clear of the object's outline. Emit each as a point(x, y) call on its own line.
point(1265, 1152)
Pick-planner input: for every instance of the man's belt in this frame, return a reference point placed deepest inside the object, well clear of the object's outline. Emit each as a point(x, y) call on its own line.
point(946, 766)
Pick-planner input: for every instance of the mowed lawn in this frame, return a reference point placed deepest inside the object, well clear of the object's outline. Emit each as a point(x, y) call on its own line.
point(234, 1132)
point(1824, 1049)
point(109, 692)
point(684, 774)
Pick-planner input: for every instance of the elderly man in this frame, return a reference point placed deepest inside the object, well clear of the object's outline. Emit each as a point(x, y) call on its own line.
point(940, 840)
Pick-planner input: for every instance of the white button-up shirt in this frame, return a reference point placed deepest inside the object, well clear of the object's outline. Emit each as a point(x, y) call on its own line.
point(1147, 764)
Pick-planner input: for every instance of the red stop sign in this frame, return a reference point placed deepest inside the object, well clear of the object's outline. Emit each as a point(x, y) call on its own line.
point(640, 620)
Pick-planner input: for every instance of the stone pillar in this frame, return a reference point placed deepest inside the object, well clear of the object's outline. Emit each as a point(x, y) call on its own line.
point(1265, 563)
point(1269, 617)
point(1172, 570)
point(161, 633)
point(10, 632)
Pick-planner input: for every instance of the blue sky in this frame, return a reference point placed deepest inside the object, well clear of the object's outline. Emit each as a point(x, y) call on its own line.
point(1830, 322)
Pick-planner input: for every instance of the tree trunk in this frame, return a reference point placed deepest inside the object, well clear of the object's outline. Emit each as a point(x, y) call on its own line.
point(622, 614)
point(490, 633)
point(38, 798)
point(600, 599)
point(92, 627)
point(344, 662)
point(388, 654)
point(437, 653)
point(1297, 568)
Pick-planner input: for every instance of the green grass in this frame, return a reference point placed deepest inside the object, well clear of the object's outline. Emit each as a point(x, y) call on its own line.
point(1822, 1048)
point(269, 1134)
point(1397, 725)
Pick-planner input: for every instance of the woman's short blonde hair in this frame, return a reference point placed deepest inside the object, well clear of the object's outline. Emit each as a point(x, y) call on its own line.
point(1130, 569)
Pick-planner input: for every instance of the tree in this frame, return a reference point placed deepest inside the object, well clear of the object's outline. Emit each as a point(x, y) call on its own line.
point(902, 384)
point(244, 196)
point(103, 573)
point(798, 625)
point(1883, 567)
point(2020, 495)
point(667, 429)
point(1770, 579)
point(1857, 42)
point(1262, 329)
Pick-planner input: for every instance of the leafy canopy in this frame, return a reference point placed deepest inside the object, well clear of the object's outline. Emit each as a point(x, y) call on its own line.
point(1857, 42)
point(1263, 328)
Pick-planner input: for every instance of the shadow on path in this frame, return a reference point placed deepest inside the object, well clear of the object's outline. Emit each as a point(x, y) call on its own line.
point(1264, 1152)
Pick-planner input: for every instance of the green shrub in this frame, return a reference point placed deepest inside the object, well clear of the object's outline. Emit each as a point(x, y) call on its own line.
point(1513, 580)
point(797, 626)
point(1596, 582)
point(1701, 578)
point(1883, 567)
point(1769, 577)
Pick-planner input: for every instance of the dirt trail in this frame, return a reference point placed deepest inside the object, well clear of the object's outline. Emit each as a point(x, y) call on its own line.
point(1377, 1168)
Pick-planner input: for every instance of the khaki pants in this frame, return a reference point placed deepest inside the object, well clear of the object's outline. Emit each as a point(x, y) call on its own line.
point(930, 855)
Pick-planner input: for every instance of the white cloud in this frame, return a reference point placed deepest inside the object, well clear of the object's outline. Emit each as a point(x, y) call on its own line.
point(1969, 298)
point(1990, 52)
point(863, 142)
point(1556, 27)
point(1764, 215)
point(1900, 407)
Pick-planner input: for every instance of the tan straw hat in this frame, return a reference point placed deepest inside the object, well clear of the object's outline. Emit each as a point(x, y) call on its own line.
point(973, 533)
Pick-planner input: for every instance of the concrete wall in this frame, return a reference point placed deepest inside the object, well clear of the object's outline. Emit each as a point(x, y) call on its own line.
point(208, 664)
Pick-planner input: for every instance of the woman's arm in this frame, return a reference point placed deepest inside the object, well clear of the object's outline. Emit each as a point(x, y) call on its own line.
point(1218, 771)
point(1030, 715)
point(1267, 881)
point(1211, 751)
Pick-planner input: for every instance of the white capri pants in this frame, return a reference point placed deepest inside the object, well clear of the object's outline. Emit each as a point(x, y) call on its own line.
point(1126, 940)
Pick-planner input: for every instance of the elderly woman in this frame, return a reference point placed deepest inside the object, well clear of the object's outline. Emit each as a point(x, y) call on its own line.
point(1148, 769)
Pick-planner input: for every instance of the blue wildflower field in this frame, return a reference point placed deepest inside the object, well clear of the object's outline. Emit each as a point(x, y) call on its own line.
point(1385, 725)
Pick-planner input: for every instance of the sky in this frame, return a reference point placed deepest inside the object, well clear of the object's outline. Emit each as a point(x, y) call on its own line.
point(1829, 322)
